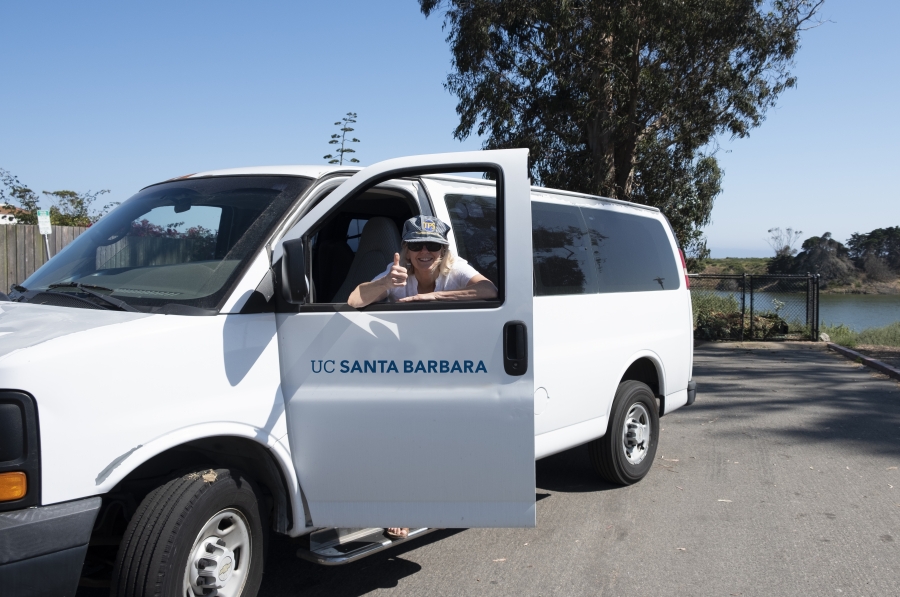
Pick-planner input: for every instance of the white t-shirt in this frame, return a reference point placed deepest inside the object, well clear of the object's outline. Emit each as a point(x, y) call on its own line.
point(456, 279)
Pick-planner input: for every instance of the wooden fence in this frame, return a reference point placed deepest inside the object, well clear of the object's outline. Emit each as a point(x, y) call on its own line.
point(143, 251)
point(22, 250)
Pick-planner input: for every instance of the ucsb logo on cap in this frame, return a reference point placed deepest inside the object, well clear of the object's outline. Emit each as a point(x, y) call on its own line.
point(429, 226)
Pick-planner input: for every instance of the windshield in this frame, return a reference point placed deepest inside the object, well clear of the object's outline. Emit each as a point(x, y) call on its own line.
point(181, 242)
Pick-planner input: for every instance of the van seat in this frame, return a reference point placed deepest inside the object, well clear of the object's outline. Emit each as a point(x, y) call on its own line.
point(377, 244)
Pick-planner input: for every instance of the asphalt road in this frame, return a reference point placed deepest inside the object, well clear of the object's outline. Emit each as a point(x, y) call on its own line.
point(781, 480)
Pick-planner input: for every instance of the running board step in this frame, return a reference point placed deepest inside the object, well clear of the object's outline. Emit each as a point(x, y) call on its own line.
point(329, 548)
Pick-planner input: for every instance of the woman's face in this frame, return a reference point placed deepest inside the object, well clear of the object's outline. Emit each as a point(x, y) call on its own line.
point(423, 260)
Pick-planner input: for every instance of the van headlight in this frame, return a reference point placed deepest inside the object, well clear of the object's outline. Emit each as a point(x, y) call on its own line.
point(20, 462)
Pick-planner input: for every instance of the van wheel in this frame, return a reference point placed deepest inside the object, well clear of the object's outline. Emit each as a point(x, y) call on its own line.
point(625, 454)
point(200, 534)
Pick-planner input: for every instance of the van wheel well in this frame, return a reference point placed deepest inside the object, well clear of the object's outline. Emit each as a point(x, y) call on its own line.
point(215, 452)
point(644, 371)
point(121, 502)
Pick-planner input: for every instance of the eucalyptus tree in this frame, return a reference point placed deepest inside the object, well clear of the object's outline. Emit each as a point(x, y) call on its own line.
point(622, 98)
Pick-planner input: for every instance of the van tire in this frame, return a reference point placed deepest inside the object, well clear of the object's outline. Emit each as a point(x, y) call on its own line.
point(617, 457)
point(171, 526)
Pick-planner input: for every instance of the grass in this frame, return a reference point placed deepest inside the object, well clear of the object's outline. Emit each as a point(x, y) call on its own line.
point(839, 334)
point(888, 335)
point(735, 265)
point(710, 301)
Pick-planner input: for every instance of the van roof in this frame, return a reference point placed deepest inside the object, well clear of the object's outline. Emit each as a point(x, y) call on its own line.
point(319, 171)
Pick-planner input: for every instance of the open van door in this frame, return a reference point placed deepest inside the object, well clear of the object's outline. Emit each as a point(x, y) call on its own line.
point(417, 414)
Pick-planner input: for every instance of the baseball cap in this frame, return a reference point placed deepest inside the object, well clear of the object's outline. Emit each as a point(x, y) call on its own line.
point(425, 229)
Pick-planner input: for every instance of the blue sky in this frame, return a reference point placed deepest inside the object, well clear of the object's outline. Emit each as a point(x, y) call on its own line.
point(112, 95)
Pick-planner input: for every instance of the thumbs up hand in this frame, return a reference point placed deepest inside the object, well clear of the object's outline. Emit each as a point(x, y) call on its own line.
point(397, 276)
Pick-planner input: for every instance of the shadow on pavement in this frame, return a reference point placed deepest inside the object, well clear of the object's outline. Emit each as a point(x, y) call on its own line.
point(286, 574)
point(570, 472)
point(852, 406)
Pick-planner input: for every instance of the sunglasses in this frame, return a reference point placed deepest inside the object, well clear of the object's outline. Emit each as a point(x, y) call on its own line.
point(416, 247)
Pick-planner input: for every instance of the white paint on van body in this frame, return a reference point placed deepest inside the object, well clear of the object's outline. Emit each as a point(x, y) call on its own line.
point(118, 388)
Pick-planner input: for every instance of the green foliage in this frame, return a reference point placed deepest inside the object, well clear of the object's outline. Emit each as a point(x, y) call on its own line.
point(735, 265)
point(622, 99)
point(74, 209)
point(718, 317)
point(839, 334)
point(876, 269)
point(713, 302)
point(827, 257)
point(783, 263)
point(28, 200)
point(876, 253)
point(888, 335)
point(881, 243)
point(68, 209)
point(338, 156)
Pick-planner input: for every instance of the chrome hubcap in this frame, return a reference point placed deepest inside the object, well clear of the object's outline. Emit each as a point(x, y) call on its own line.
point(636, 433)
point(220, 558)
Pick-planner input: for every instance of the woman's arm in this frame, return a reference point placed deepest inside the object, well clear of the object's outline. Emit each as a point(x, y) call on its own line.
point(368, 293)
point(376, 290)
point(478, 287)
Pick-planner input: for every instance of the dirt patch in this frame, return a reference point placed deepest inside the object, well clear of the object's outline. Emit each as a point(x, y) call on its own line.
point(889, 355)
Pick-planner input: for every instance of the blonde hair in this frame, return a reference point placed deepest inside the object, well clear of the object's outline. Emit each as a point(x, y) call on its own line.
point(444, 264)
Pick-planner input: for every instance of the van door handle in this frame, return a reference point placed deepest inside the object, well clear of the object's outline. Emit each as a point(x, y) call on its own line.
point(515, 348)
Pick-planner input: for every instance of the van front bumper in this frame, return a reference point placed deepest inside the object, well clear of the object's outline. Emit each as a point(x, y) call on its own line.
point(42, 549)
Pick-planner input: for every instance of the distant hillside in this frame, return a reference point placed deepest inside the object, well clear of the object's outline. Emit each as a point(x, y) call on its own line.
point(858, 283)
point(734, 266)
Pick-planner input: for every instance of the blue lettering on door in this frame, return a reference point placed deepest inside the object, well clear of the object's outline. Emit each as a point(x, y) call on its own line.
point(386, 366)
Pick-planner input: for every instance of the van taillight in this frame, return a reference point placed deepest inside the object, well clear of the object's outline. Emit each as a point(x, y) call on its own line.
point(687, 281)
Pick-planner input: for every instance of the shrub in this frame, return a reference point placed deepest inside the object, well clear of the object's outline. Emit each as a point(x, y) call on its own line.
point(827, 257)
point(839, 334)
point(718, 317)
point(781, 264)
point(888, 335)
point(877, 270)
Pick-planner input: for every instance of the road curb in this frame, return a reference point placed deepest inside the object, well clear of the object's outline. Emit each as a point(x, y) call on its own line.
point(872, 363)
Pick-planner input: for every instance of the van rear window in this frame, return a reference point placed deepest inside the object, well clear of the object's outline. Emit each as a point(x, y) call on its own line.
point(632, 253)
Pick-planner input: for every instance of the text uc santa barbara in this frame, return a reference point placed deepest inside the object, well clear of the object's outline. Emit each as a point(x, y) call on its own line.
point(385, 366)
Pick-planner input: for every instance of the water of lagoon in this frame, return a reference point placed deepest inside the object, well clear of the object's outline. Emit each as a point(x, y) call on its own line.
point(859, 311)
point(856, 311)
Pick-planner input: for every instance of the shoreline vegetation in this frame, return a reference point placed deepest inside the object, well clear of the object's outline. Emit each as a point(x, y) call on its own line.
point(859, 283)
point(881, 344)
point(888, 335)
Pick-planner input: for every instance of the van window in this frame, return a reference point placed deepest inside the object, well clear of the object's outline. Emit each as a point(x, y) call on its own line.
point(357, 241)
point(354, 231)
point(183, 242)
point(562, 257)
point(473, 219)
point(632, 252)
point(164, 237)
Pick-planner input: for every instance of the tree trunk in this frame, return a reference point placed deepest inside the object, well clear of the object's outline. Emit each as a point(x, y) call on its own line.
point(601, 130)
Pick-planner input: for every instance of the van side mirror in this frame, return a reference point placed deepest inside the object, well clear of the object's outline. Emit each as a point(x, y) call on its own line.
point(294, 284)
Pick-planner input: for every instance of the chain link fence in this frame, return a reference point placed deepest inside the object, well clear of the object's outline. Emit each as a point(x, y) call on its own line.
point(755, 307)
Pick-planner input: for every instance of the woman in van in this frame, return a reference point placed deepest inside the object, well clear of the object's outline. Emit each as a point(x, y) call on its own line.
point(430, 273)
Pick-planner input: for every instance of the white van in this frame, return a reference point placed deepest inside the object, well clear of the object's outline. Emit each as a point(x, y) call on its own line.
point(186, 376)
